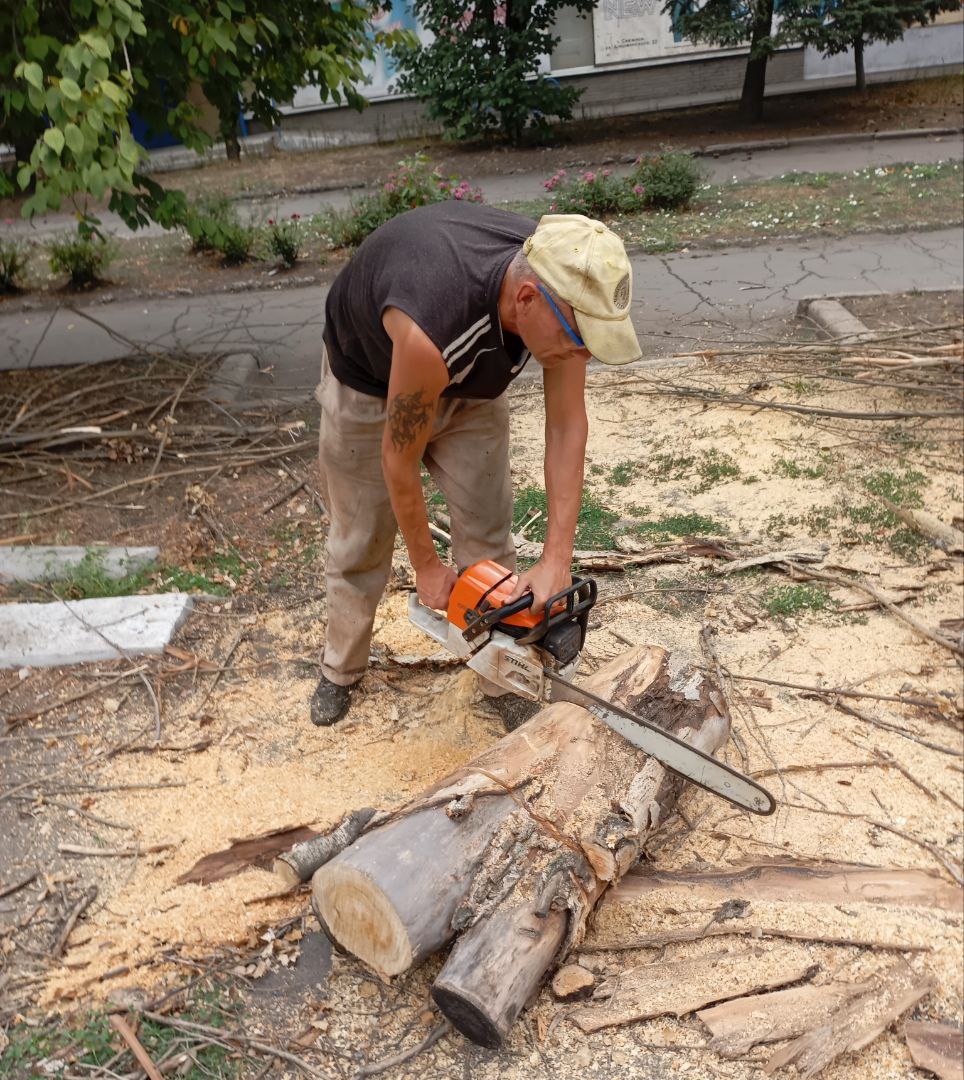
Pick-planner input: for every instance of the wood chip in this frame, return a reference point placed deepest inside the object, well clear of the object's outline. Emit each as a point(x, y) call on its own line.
point(939, 1048)
point(573, 982)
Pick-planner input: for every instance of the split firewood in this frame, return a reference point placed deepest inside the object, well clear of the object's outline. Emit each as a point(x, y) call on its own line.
point(742, 1023)
point(573, 982)
point(678, 987)
point(298, 864)
point(520, 873)
point(856, 1025)
point(938, 1048)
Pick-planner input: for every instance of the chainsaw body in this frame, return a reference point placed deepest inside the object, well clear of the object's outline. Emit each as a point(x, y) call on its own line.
point(506, 643)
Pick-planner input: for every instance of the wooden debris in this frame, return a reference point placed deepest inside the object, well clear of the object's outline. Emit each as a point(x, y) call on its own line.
point(678, 987)
point(573, 982)
point(939, 1048)
point(126, 1032)
point(797, 881)
point(298, 864)
point(252, 851)
point(946, 537)
point(856, 1025)
point(742, 1023)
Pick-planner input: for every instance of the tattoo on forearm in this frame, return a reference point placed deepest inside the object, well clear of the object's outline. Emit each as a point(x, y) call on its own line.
point(407, 416)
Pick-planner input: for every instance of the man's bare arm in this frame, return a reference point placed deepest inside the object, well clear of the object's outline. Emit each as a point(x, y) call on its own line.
point(418, 377)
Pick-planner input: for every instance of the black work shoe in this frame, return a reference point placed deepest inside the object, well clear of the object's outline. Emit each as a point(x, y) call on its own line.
point(515, 711)
point(329, 702)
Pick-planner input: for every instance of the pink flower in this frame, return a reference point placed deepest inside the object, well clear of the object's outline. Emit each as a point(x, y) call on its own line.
point(638, 189)
point(296, 217)
point(589, 177)
point(271, 221)
point(389, 187)
point(607, 172)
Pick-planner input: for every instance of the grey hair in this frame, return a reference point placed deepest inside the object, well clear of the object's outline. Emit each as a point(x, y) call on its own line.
point(520, 268)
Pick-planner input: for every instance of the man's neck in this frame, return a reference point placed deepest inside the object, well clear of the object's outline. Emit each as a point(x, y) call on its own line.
point(507, 304)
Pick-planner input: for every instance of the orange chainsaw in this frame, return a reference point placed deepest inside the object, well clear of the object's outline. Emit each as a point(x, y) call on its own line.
point(534, 656)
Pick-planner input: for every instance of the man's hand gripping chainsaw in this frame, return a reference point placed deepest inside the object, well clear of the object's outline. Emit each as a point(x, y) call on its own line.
point(535, 655)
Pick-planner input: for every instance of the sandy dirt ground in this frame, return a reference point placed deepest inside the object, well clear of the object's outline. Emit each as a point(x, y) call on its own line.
point(240, 758)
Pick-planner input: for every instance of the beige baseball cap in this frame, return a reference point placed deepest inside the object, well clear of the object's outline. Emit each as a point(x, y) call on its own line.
point(585, 263)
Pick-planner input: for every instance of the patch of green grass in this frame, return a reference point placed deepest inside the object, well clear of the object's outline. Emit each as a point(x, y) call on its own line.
point(715, 466)
point(784, 600)
point(596, 470)
point(679, 525)
point(624, 473)
point(902, 489)
point(89, 580)
point(793, 470)
point(665, 467)
point(90, 1042)
point(594, 528)
point(183, 580)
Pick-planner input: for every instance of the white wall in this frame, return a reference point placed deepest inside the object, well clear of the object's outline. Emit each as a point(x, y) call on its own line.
point(921, 46)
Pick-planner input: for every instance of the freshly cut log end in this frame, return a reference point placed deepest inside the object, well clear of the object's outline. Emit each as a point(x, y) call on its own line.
point(468, 1017)
point(286, 873)
point(362, 919)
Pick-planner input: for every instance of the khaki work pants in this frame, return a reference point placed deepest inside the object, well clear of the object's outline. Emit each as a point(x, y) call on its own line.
point(467, 456)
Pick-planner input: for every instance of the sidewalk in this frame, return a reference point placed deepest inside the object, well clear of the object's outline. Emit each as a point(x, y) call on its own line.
point(731, 294)
point(827, 154)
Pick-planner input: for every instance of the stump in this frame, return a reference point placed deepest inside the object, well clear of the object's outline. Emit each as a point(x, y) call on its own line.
point(513, 850)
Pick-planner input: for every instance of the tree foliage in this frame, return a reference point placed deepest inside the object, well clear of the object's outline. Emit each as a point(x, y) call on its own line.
point(71, 73)
point(731, 23)
point(481, 73)
point(834, 26)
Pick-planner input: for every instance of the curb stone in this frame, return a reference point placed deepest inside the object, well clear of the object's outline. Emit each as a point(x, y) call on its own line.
point(49, 563)
point(830, 315)
point(49, 635)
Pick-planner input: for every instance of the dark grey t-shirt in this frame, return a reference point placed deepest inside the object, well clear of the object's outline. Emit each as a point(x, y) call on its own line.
point(443, 266)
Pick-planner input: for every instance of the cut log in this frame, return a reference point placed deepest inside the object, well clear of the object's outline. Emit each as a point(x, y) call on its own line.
point(392, 896)
point(600, 802)
point(561, 807)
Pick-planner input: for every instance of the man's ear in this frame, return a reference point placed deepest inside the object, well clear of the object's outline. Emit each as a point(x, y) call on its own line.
point(526, 294)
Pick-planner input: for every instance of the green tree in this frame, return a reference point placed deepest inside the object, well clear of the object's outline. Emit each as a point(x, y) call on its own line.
point(250, 55)
point(72, 71)
point(481, 73)
point(833, 26)
point(731, 23)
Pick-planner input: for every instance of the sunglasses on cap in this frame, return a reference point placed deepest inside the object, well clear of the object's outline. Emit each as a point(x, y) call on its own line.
point(562, 319)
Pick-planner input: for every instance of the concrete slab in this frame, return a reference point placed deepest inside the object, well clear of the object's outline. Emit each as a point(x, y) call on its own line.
point(66, 632)
point(42, 563)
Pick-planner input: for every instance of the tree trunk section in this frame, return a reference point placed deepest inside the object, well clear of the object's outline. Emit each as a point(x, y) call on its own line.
point(392, 896)
point(859, 62)
point(499, 964)
point(755, 76)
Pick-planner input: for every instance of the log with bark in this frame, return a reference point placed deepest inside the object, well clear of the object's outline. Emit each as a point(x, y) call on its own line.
point(513, 850)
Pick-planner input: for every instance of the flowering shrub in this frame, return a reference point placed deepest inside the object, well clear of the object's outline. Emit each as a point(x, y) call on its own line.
point(594, 194)
point(671, 180)
point(285, 239)
point(415, 182)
